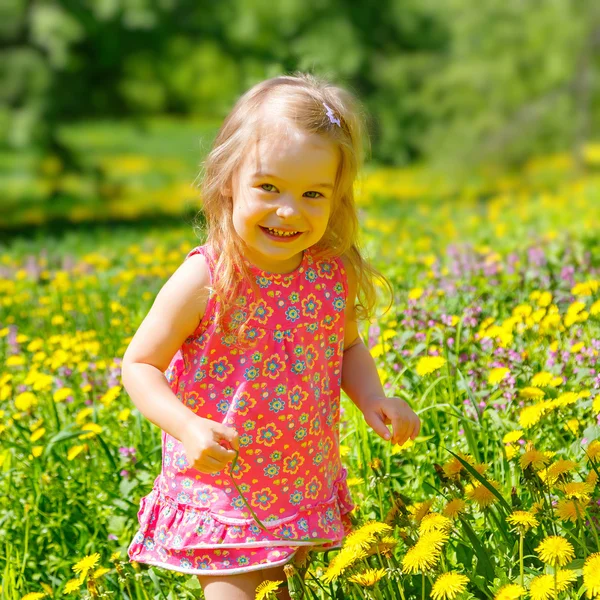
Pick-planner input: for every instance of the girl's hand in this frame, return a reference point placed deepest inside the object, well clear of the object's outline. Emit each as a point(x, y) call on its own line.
point(208, 444)
point(381, 411)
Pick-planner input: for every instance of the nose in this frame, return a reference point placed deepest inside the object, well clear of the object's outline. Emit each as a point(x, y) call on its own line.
point(288, 207)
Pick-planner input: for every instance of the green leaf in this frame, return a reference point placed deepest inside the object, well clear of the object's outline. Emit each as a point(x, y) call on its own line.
point(483, 481)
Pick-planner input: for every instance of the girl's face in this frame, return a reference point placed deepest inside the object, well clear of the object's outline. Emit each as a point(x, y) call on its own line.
point(285, 183)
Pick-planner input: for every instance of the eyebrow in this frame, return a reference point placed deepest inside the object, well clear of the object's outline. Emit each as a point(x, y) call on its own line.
point(321, 185)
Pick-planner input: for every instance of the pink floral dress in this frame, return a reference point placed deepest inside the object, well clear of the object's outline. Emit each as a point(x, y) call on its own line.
point(283, 398)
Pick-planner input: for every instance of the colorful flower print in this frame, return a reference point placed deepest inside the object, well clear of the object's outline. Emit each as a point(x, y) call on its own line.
point(204, 496)
point(220, 369)
point(313, 488)
point(292, 314)
point(276, 405)
point(263, 498)
point(326, 269)
point(261, 312)
point(280, 389)
point(273, 366)
point(311, 275)
point(296, 397)
point(311, 306)
point(268, 435)
point(296, 497)
point(251, 373)
point(180, 461)
point(339, 304)
point(192, 400)
point(292, 463)
point(243, 403)
point(271, 471)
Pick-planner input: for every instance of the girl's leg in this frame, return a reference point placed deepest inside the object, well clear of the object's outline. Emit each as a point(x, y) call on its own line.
point(241, 587)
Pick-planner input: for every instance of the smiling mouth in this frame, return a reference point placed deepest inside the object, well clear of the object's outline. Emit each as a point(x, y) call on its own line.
point(280, 234)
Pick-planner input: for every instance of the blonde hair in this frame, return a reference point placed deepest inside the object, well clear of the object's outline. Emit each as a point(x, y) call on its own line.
point(298, 98)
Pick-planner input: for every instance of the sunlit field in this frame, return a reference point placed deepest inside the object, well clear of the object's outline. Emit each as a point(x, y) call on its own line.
point(493, 338)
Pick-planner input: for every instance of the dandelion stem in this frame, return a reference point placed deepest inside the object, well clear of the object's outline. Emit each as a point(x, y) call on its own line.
point(594, 530)
point(521, 558)
point(581, 532)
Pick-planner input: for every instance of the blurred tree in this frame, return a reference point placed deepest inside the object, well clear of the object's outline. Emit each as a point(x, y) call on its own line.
point(451, 80)
point(516, 80)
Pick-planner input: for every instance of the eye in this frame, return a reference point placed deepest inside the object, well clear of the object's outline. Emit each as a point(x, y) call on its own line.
point(315, 197)
point(263, 184)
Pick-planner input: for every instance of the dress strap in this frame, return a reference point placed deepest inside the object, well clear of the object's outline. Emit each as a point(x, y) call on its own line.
point(209, 311)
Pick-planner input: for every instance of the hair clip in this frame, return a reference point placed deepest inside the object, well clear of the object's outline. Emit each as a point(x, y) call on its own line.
point(331, 116)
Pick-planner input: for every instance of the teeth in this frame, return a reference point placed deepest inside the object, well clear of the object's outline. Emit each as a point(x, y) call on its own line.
point(281, 233)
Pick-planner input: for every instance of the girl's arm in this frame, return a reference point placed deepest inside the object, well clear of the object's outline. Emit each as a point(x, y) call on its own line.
point(360, 381)
point(174, 316)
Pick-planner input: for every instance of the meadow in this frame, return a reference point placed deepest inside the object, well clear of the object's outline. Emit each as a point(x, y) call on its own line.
point(493, 338)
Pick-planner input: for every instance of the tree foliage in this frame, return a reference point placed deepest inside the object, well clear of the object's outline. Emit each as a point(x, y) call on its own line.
point(449, 80)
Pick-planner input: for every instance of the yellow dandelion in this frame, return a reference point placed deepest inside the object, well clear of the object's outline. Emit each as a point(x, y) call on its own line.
point(434, 522)
point(481, 468)
point(384, 546)
point(537, 507)
point(266, 589)
point(522, 520)
point(531, 393)
point(34, 596)
point(512, 436)
point(580, 490)
point(592, 479)
point(542, 587)
point(368, 578)
point(344, 559)
point(481, 495)
point(497, 374)
point(570, 510)
point(433, 539)
point(511, 591)
point(73, 585)
point(448, 585)
point(564, 578)
point(86, 563)
point(542, 379)
point(545, 299)
point(100, 572)
point(530, 415)
point(534, 458)
point(365, 536)
point(565, 399)
point(454, 508)
point(591, 575)
point(593, 450)
point(454, 467)
point(511, 451)
point(354, 481)
point(429, 364)
point(572, 425)
point(557, 469)
point(555, 550)
point(420, 509)
point(419, 559)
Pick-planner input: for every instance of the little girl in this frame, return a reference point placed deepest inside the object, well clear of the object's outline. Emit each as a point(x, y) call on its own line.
point(241, 359)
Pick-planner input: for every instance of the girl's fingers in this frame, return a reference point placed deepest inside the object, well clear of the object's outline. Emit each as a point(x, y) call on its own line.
point(218, 452)
point(377, 423)
point(211, 465)
point(401, 428)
